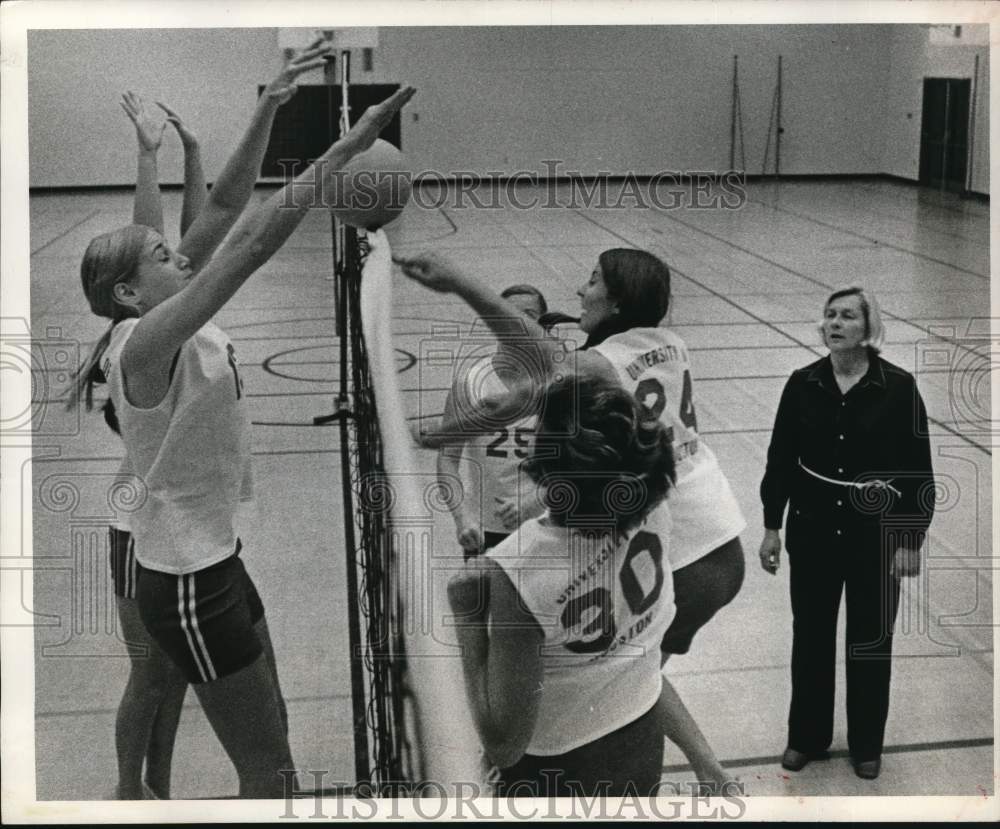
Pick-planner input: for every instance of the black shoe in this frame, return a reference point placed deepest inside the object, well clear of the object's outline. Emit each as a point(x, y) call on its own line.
point(867, 769)
point(794, 760)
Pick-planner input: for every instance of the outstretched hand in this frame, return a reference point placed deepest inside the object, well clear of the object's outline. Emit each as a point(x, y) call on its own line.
point(430, 270)
point(376, 118)
point(147, 131)
point(283, 87)
point(188, 138)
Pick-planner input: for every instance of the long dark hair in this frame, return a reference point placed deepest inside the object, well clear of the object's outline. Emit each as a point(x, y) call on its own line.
point(110, 258)
point(640, 283)
point(600, 457)
point(527, 290)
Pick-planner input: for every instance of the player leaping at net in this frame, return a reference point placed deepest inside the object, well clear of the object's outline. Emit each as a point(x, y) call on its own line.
point(622, 303)
point(560, 623)
point(175, 383)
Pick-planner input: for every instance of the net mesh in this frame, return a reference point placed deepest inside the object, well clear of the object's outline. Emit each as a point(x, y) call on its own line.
point(372, 552)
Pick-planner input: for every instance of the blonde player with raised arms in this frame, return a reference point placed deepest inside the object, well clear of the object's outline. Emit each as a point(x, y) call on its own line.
point(177, 390)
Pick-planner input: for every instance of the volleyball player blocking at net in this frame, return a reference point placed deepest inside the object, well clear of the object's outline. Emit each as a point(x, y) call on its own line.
point(149, 712)
point(150, 708)
point(175, 383)
point(622, 303)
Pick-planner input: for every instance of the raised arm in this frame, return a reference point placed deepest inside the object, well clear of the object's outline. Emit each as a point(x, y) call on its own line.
point(164, 328)
point(504, 319)
point(147, 209)
point(520, 399)
point(233, 188)
point(195, 189)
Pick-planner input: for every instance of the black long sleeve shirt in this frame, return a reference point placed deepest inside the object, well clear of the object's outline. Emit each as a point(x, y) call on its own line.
point(877, 430)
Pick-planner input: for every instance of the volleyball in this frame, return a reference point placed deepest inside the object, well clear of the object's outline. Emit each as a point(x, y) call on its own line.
point(372, 189)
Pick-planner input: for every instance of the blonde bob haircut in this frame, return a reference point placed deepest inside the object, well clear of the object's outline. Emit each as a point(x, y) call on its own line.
point(874, 331)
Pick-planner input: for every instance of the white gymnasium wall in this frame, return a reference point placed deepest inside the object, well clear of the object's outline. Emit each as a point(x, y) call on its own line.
point(79, 134)
point(639, 99)
point(912, 57)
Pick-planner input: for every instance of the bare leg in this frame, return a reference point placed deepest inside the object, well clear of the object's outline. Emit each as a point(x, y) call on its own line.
point(681, 729)
point(272, 664)
point(241, 708)
point(160, 751)
point(148, 682)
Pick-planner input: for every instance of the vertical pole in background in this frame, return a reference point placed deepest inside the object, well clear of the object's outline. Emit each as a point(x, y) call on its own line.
point(736, 122)
point(947, 136)
point(779, 129)
point(732, 117)
point(972, 125)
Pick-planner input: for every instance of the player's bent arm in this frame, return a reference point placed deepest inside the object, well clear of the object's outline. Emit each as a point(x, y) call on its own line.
point(520, 399)
point(437, 438)
point(448, 459)
point(503, 670)
point(492, 411)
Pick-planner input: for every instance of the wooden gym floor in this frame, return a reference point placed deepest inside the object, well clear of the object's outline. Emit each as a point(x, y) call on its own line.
point(748, 287)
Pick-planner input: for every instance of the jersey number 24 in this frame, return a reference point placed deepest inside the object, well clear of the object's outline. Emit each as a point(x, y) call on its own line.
point(651, 387)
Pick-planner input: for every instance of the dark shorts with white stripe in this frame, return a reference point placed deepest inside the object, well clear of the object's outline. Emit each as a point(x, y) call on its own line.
point(124, 567)
point(204, 621)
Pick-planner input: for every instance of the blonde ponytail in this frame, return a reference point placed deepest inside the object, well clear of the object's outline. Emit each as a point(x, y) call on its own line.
point(89, 373)
point(109, 259)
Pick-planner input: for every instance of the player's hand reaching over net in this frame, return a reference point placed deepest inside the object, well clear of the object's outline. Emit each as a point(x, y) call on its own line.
point(431, 270)
point(283, 87)
point(375, 119)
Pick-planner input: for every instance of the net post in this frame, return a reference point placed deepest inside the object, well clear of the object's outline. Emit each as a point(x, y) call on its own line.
point(343, 413)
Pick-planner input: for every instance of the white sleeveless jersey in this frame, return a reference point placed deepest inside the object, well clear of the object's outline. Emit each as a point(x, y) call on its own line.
point(603, 608)
point(653, 364)
point(124, 477)
point(192, 452)
point(492, 462)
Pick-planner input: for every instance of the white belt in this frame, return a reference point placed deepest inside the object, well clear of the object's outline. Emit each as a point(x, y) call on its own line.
point(878, 484)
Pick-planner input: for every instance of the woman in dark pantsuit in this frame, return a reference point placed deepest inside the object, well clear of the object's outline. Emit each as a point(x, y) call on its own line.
point(850, 456)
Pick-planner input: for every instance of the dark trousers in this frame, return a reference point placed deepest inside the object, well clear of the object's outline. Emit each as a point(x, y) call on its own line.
point(818, 576)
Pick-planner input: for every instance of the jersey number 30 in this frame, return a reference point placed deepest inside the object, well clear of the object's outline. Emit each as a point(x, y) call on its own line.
point(602, 630)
